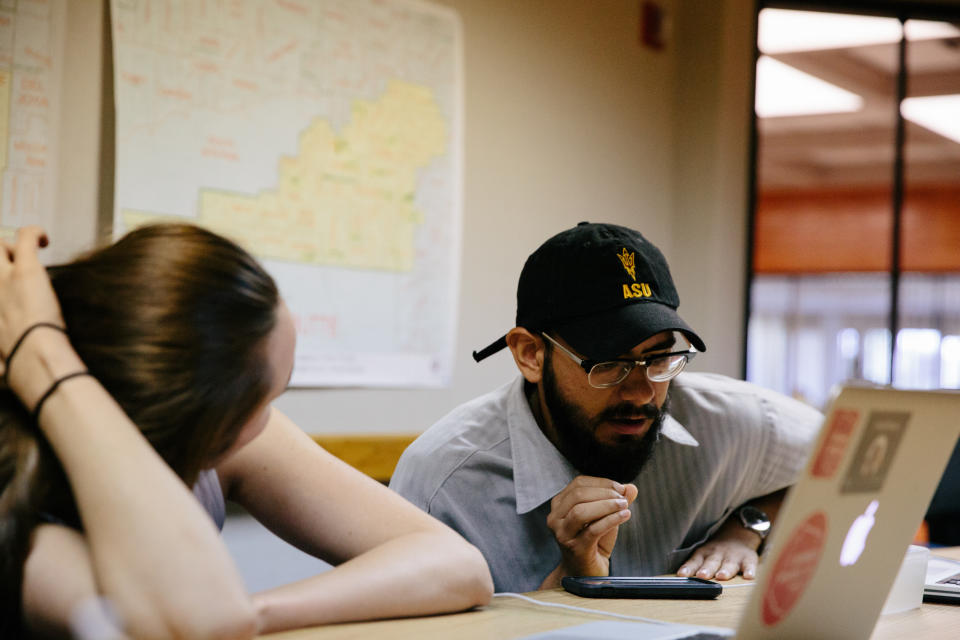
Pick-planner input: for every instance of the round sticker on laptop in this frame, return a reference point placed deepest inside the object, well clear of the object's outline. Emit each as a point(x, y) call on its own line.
point(795, 567)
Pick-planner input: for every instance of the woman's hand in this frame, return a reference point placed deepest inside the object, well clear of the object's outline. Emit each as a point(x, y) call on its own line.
point(26, 297)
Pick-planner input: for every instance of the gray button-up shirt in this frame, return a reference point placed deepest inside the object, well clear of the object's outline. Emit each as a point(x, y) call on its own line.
point(488, 471)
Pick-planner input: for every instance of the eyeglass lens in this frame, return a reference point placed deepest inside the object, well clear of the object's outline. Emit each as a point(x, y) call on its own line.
point(658, 370)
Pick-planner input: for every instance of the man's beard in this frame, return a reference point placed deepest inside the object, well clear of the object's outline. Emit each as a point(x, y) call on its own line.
point(576, 434)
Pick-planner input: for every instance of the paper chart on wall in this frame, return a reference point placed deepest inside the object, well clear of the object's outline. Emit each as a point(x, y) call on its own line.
point(31, 55)
point(325, 137)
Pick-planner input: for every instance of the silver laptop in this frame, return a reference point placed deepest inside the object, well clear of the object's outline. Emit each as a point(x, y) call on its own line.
point(845, 526)
point(943, 581)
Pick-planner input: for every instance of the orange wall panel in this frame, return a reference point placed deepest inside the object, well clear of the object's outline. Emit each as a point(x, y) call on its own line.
point(849, 230)
point(931, 230)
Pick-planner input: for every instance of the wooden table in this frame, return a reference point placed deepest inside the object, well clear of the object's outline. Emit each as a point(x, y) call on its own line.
point(511, 618)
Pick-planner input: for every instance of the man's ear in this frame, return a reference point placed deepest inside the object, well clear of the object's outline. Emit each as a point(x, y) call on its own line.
point(528, 351)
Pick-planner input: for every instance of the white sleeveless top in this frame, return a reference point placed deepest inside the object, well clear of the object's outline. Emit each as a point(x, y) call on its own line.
point(210, 495)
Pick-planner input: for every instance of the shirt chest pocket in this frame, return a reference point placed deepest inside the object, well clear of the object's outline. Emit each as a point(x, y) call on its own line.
point(696, 536)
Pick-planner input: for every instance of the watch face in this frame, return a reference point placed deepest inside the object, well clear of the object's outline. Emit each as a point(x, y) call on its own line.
point(755, 520)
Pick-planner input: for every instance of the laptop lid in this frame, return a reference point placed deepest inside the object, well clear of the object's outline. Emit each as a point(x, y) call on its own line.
point(841, 535)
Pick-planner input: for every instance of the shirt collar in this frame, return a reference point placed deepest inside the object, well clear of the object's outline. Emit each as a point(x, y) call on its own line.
point(540, 471)
point(676, 432)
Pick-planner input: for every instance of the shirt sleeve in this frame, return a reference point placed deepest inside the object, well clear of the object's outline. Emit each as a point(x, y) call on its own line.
point(793, 427)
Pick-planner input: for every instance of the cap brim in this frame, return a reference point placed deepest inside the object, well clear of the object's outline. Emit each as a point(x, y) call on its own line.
point(610, 334)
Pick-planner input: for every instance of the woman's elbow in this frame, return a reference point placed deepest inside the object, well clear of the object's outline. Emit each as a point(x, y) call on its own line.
point(478, 584)
point(484, 581)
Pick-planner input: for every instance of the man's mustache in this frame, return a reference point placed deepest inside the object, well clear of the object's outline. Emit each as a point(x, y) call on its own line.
point(628, 411)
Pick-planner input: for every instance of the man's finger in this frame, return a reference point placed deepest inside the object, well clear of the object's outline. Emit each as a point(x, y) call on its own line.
point(749, 569)
point(729, 569)
point(603, 526)
point(587, 536)
point(691, 565)
point(569, 498)
point(709, 567)
point(585, 514)
point(593, 481)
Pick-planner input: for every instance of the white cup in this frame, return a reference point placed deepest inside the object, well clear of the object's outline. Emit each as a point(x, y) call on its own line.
point(907, 590)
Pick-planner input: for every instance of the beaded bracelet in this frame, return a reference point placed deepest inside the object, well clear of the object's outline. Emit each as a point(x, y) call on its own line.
point(16, 345)
point(35, 414)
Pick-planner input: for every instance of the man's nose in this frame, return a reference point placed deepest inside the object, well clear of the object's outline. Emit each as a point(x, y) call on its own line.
point(637, 387)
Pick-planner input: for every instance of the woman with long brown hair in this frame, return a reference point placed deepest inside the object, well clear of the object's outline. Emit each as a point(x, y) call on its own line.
point(144, 370)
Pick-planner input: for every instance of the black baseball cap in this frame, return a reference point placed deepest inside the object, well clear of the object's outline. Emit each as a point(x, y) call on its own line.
point(601, 287)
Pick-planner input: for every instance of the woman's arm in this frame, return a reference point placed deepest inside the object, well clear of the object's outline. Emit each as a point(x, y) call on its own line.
point(59, 588)
point(155, 553)
point(396, 560)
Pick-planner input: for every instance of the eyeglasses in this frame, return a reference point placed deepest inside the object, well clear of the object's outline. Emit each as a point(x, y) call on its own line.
point(659, 367)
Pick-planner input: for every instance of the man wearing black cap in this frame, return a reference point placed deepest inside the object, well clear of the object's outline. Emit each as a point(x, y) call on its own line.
point(600, 459)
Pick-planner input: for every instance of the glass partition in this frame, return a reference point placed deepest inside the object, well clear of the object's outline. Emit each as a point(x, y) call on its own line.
point(929, 293)
point(856, 227)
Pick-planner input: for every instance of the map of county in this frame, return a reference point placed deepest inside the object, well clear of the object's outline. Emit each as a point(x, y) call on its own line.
point(345, 199)
point(326, 137)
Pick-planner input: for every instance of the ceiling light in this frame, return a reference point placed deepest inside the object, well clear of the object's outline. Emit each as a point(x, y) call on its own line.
point(785, 91)
point(929, 30)
point(940, 114)
point(782, 31)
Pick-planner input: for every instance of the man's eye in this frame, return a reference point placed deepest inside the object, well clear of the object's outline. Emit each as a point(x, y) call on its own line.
point(608, 366)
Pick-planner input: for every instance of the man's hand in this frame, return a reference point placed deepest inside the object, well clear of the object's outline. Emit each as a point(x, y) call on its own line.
point(584, 518)
point(733, 549)
point(724, 556)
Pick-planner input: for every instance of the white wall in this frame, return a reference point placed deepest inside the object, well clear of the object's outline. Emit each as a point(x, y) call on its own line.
point(568, 118)
point(713, 102)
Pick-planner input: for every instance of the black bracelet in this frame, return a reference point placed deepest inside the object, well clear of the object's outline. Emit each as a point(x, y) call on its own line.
point(16, 345)
point(35, 414)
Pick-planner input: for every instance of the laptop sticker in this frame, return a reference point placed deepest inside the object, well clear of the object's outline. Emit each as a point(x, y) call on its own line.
point(875, 452)
point(835, 443)
point(794, 568)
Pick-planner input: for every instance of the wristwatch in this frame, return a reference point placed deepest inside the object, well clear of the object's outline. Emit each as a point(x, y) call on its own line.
point(755, 520)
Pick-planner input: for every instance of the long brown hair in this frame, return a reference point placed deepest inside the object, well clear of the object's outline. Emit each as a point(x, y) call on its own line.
point(173, 321)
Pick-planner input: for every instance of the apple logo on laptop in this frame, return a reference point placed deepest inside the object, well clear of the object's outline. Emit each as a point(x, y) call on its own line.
point(856, 540)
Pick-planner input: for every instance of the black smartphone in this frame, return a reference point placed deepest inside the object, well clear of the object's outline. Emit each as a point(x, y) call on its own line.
point(626, 587)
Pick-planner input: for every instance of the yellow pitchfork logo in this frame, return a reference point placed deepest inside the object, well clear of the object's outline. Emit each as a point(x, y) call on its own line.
point(626, 259)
